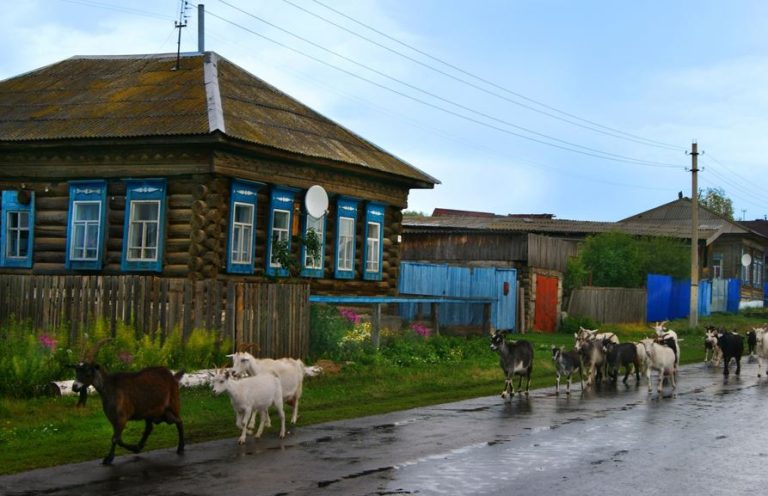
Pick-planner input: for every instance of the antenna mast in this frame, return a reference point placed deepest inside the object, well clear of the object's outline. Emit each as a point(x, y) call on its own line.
point(181, 23)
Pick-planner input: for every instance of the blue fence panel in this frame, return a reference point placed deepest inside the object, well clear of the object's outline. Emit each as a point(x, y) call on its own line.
point(680, 304)
point(734, 295)
point(705, 297)
point(765, 294)
point(659, 296)
point(444, 280)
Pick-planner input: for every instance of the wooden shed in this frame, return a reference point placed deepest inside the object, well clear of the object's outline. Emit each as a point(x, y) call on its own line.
point(128, 165)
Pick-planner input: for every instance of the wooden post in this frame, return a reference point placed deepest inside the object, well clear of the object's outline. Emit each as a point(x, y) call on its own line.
point(521, 312)
point(376, 325)
point(486, 318)
point(435, 318)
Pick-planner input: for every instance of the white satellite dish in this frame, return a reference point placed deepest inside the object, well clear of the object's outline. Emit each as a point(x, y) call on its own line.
point(746, 260)
point(316, 201)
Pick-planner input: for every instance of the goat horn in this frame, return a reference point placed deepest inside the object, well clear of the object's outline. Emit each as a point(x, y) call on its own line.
point(90, 355)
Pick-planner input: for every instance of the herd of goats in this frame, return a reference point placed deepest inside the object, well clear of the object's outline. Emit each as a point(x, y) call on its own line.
point(254, 385)
point(596, 354)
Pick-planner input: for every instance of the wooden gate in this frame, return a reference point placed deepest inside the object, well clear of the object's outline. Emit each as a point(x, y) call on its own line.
point(545, 314)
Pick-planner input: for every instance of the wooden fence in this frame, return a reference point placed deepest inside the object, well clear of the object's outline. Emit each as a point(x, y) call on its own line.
point(609, 305)
point(271, 319)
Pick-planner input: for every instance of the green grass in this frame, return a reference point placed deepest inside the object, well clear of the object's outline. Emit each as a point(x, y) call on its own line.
point(43, 432)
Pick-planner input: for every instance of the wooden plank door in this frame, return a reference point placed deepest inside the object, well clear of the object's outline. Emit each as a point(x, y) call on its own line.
point(545, 316)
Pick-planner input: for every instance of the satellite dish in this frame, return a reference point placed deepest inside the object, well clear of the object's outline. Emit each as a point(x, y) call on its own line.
point(316, 201)
point(746, 260)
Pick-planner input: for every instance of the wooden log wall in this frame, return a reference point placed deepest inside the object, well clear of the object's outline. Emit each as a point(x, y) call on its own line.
point(271, 319)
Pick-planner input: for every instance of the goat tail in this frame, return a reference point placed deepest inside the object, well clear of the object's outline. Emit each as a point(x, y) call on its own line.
point(178, 375)
point(313, 371)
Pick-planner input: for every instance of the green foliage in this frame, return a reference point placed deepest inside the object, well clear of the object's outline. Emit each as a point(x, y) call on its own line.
point(716, 200)
point(30, 360)
point(616, 259)
point(327, 328)
point(281, 251)
point(571, 324)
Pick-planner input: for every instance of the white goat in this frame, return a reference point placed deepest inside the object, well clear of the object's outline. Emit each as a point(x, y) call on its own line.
point(666, 335)
point(662, 358)
point(249, 396)
point(593, 335)
point(761, 347)
point(290, 371)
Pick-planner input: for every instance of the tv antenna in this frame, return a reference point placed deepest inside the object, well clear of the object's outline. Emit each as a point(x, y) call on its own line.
point(181, 23)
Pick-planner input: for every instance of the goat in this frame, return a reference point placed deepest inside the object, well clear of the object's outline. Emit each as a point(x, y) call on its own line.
point(732, 346)
point(642, 359)
point(621, 355)
point(566, 364)
point(712, 352)
point(151, 394)
point(751, 342)
point(662, 359)
point(516, 359)
point(290, 371)
point(669, 338)
point(761, 347)
point(593, 334)
point(251, 395)
point(593, 357)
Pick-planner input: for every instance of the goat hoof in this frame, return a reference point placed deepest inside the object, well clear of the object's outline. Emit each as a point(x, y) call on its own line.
point(107, 460)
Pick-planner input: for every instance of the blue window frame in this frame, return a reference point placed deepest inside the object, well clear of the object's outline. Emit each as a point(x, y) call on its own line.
point(374, 235)
point(241, 241)
point(280, 226)
point(346, 227)
point(86, 224)
point(312, 266)
point(144, 227)
point(17, 229)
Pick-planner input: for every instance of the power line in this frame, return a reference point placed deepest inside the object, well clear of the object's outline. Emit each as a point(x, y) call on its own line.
point(119, 8)
point(617, 133)
point(566, 145)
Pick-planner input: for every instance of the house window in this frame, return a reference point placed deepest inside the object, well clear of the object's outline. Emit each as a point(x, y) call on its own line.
point(374, 222)
point(17, 228)
point(744, 270)
point(280, 223)
point(144, 227)
point(86, 228)
point(717, 266)
point(757, 271)
point(346, 219)
point(242, 231)
point(313, 263)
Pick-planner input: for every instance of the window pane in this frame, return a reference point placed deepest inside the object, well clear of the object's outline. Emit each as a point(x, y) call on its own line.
point(243, 213)
point(86, 211)
point(151, 240)
point(281, 219)
point(146, 210)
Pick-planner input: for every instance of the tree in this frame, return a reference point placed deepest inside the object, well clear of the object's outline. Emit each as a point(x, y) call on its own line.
point(716, 200)
point(616, 259)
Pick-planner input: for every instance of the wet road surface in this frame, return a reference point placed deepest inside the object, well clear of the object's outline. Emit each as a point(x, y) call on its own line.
point(709, 439)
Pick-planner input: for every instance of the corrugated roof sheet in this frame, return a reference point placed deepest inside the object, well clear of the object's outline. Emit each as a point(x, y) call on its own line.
point(142, 95)
point(539, 225)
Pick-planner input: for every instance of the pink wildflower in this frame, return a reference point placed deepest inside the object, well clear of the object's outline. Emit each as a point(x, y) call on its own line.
point(350, 315)
point(420, 329)
point(47, 341)
point(125, 357)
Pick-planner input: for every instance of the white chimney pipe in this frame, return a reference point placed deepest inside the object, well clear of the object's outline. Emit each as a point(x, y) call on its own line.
point(200, 28)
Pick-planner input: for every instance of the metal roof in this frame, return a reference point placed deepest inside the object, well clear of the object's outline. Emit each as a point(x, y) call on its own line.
point(132, 96)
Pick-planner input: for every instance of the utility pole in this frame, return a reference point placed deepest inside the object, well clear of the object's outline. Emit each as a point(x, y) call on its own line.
point(181, 23)
point(693, 318)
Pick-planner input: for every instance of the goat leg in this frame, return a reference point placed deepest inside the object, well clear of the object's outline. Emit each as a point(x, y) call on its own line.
point(244, 421)
point(171, 418)
point(147, 431)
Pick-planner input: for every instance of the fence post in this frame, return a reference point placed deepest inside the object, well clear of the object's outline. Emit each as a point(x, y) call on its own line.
point(376, 325)
point(486, 318)
point(435, 318)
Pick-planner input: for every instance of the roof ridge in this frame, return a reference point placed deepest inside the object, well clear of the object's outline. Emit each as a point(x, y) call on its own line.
point(213, 93)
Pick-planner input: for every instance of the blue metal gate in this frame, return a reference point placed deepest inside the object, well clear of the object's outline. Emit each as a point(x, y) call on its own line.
point(479, 282)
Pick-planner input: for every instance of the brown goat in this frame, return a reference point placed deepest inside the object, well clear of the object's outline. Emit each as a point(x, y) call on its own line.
point(151, 394)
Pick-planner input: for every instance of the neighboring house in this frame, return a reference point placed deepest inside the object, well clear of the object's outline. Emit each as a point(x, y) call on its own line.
point(727, 249)
point(127, 165)
point(539, 246)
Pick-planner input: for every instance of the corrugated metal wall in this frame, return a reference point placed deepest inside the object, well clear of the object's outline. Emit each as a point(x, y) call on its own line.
point(669, 299)
point(427, 279)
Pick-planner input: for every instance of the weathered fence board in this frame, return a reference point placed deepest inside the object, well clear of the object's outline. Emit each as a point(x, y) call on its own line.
point(609, 305)
point(273, 319)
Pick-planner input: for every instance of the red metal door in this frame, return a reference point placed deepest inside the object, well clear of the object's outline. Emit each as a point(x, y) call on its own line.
point(545, 316)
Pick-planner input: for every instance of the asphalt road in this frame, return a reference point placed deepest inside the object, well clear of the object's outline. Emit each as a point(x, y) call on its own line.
point(708, 439)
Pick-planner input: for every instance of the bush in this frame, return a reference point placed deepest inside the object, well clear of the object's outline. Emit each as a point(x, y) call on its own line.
point(327, 328)
point(571, 324)
point(30, 360)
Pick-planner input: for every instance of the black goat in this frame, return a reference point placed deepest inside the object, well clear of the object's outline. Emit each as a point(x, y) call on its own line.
point(621, 355)
point(732, 346)
point(516, 359)
point(151, 394)
point(567, 363)
point(751, 342)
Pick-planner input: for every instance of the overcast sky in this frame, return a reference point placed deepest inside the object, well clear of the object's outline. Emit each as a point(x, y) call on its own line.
point(582, 109)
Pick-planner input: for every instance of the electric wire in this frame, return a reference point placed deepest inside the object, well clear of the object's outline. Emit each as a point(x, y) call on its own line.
point(636, 138)
point(566, 145)
point(119, 8)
